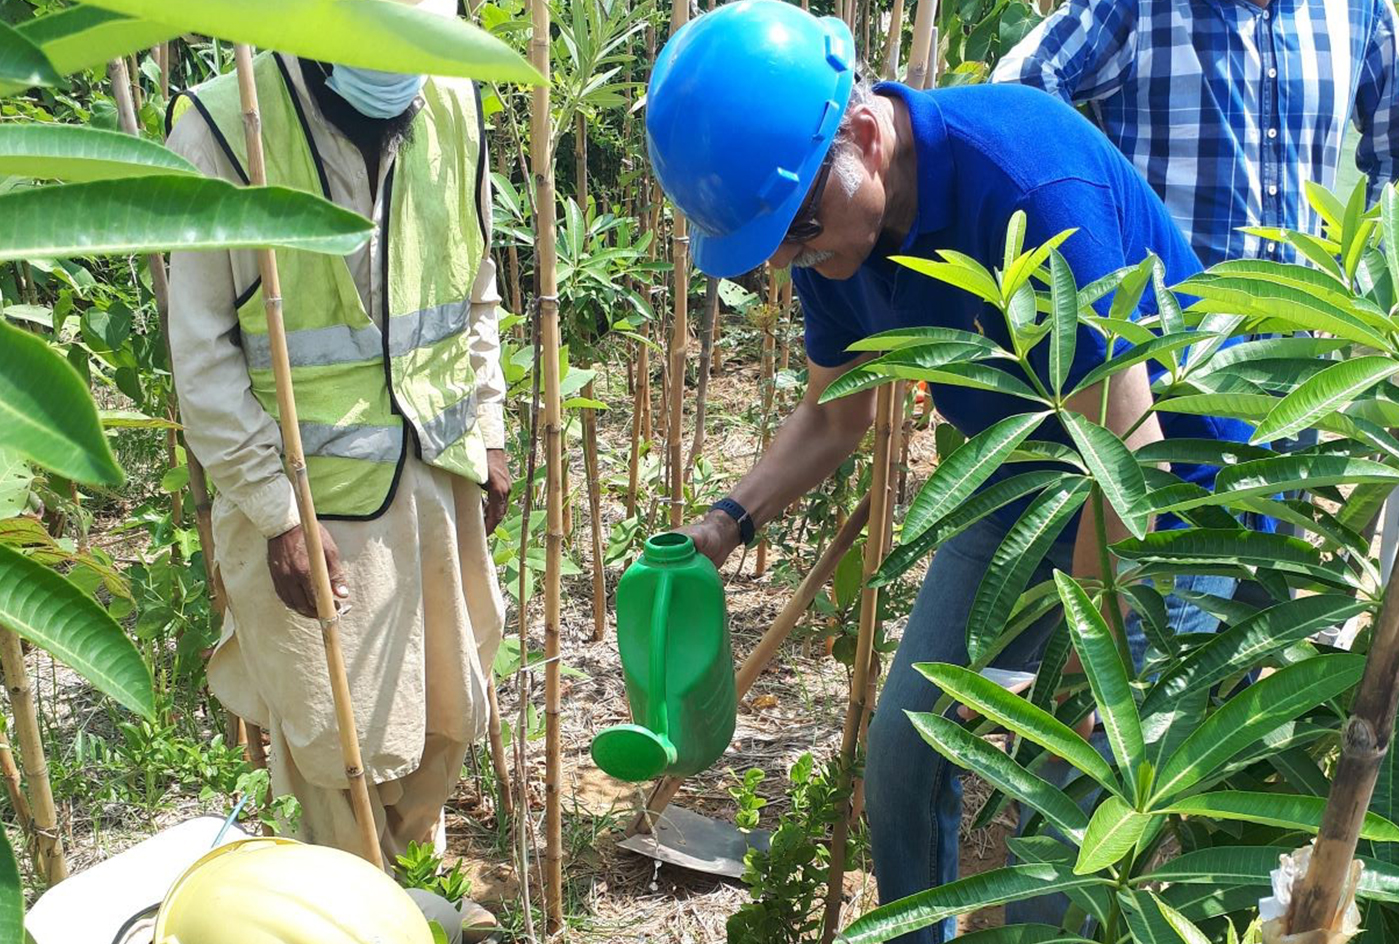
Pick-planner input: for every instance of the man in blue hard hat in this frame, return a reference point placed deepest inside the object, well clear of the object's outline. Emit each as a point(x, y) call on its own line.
point(761, 133)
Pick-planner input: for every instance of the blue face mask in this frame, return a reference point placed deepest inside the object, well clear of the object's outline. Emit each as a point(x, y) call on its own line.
point(375, 94)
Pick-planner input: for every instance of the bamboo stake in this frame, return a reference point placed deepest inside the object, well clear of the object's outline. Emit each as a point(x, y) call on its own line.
point(893, 41)
point(9, 770)
point(679, 331)
point(706, 333)
point(925, 30)
point(502, 770)
point(44, 814)
point(864, 652)
point(326, 607)
point(641, 398)
point(542, 165)
point(765, 392)
point(766, 649)
point(1365, 740)
point(590, 449)
point(788, 314)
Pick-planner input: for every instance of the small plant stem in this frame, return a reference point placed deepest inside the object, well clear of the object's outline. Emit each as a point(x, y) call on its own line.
point(593, 473)
point(9, 771)
point(498, 763)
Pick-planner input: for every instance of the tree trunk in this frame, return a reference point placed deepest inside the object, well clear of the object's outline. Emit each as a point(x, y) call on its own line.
point(864, 651)
point(49, 842)
point(326, 607)
point(546, 254)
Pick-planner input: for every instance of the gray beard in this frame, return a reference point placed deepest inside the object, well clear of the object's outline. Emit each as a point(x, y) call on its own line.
point(809, 258)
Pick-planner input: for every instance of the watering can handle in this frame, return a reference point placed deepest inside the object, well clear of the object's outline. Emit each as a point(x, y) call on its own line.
point(660, 612)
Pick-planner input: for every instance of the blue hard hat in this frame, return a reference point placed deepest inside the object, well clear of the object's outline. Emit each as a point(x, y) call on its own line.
point(743, 104)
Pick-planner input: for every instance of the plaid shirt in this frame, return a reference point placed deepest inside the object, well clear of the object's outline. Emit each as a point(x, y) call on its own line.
point(1227, 106)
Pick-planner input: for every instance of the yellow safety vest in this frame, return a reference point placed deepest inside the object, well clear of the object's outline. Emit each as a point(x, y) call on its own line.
point(356, 382)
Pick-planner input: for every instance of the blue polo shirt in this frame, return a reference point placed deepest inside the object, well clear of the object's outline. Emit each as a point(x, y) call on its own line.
point(984, 152)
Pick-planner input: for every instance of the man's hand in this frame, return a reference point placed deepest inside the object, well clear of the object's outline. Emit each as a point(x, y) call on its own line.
point(496, 496)
point(715, 535)
point(290, 565)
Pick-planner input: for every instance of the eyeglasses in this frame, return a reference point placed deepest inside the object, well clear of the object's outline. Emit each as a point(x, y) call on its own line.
point(805, 226)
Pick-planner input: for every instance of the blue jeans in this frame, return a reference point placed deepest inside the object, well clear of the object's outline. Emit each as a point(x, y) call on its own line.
point(913, 795)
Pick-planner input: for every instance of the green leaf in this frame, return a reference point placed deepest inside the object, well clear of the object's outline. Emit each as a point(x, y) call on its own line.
point(1293, 473)
point(52, 613)
point(959, 475)
point(1268, 349)
point(1267, 704)
point(152, 214)
point(1314, 282)
point(1019, 271)
point(1064, 338)
point(1021, 717)
point(852, 381)
point(1111, 834)
point(997, 495)
point(1021, 551)
point(47, 414)
point(965, 749)
point(84, 37)
point(1323, 393)
point(916, 358)
point(11, 893)
point(22, 62)
point(909, 337)
point(1250, 407)
point(975, 376)
point(369, 34)
point(1269, 300)
point(1095, 901)
point(977, 281)
point(1218, 452)
point(1351, 229)
point(1149, 923)
point(1286, 810)
point(1107, 676)
point(1021, 934)
point(1389, 223)
point(1325, 203)
point(1114, 469)
point(968, 894)
point(1154, 349)
point(1015, 239)
point(78, 153)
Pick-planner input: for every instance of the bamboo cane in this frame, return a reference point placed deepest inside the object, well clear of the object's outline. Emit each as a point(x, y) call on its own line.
point(706, 333)
point(641, 396)
point(542, 165)
point(893, 41)
point(788, 314)
point(765, 392)
point(766, 649)
point(920, 73)
point(326, 608)
point(502, 769)
point(590, 448)
point(9, 771)
point(864, 651)
point(1365, 740)
point(679, 331)
point(44, 814)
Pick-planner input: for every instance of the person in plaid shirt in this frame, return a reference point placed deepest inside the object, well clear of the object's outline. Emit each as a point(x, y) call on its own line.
point(1227, 106)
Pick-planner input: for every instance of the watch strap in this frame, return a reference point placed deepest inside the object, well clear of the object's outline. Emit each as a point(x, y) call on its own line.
point(746, 529)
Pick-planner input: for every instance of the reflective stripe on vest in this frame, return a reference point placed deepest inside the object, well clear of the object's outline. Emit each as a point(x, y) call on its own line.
point(354, 387)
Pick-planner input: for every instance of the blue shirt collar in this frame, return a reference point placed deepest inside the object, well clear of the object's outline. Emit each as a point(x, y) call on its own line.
point(935, 176)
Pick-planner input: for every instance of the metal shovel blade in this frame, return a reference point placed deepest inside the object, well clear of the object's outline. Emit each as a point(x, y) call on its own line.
point(692, 841)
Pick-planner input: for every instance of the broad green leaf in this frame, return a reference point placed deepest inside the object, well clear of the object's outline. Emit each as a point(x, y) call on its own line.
point(997, 495)
point(1287, 810)
point(78, 153)
point(1018, 715)
point(22, 62)
point(1155, 349)
point(1210, 550)
point(11, 893)
point(1262, 299)
point(50, 612)
point(1114, 469)
point(1325, 203)
point(153, 214)
point(1245, 644)
point(975, 376)
point(964, 748)
point(1095, 901)
point(47, 414)
point(854, 380)
point(370, 34)
point(1351, 229)
point(1251, 865)
point(1111, 834)
point(1319, 251)
point(134, 419)
point(1021, 311)
point(1101, 288)
point(1389, 223)
point(1268, 349)
point(1064, 338)
point(1250, 407)
point(1107, 676)
point(1167, 305)
point(1296, 472)
point(916, 358)
point(1019, 271)
point(1116, 327)
point(1314, 282)
point(959, 475)
point(1219, 452)
point(1149, 923)
point(1039, 450)
point(1258, 709)
point(968, 894)
point(1129, 293)
point(15, 480)
point(1015, 239)
point(84, 37)
point(1021, 934)
point(909, 337)
point(979, 283)
point(1021, 551)
point(1323, 393)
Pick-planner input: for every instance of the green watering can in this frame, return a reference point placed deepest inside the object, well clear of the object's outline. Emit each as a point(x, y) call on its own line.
point(673, 636)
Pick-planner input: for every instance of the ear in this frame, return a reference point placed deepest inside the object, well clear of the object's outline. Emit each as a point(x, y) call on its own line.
point(865, 133)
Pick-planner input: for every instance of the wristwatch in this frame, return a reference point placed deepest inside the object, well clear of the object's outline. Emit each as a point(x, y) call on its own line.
point(746, 530)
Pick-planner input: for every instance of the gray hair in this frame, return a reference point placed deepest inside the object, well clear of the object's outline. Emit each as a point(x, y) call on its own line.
point(844, 166)
point(861, 93)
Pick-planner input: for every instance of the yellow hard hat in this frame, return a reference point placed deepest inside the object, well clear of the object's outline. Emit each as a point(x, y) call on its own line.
point(278, 891)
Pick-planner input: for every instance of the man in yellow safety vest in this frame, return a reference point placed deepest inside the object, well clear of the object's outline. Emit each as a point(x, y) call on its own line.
point(395, 362)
